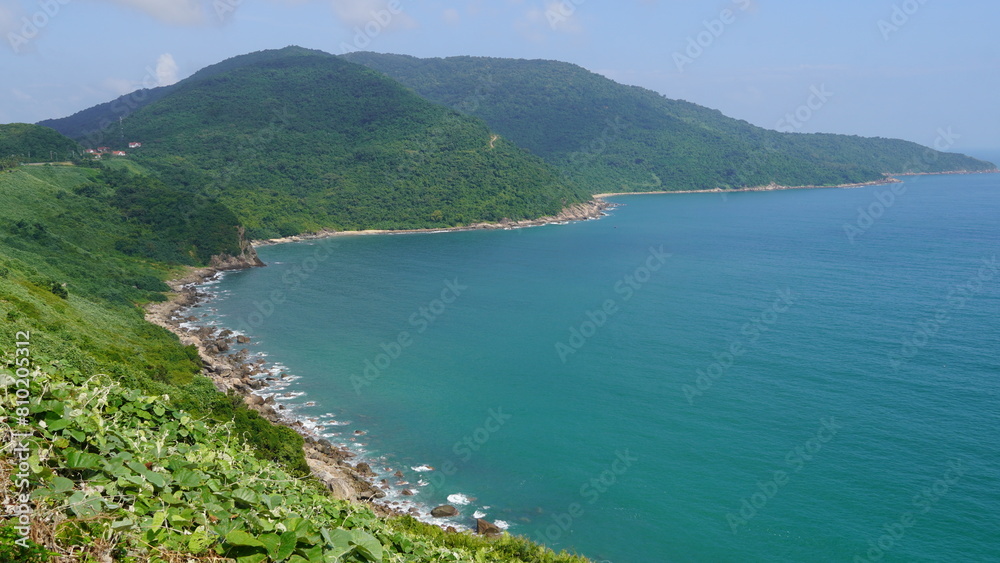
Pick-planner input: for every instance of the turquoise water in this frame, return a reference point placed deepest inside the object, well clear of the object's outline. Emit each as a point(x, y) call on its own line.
point(692, 378)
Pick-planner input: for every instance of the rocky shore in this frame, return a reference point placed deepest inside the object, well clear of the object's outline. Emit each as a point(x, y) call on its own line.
point(235, 371)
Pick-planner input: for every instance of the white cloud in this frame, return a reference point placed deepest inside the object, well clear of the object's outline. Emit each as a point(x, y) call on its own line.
point(360, 13)
point(174, 12)
point(166, 70)
point(452, 17)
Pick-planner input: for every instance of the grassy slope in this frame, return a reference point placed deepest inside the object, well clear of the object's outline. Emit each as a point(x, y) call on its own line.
point(98, 427)
point(611, 137)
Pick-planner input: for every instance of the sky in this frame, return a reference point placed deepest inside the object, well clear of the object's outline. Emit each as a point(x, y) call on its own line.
point(926, 71)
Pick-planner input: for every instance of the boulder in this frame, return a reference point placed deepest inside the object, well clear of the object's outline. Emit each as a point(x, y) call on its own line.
point(485, 528)
point(444, 511)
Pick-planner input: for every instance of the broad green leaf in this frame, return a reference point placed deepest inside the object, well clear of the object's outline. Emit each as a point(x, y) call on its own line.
point(246, 496)
point(251, 558)
point(368, 546)
point(184, 477)
point(158, 519)
point(76, 459)
point(288, 541)
point(58, 424)
point(156, 479)
point(61, 485)
point(271, 543)
point(122, 524)
point(240, 537)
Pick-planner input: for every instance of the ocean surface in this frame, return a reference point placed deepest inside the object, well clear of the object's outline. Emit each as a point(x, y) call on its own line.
point(802, 375)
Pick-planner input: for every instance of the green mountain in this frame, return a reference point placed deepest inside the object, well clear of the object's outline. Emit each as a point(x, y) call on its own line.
point(22, 142)
point(611, 137)
point(297, 140)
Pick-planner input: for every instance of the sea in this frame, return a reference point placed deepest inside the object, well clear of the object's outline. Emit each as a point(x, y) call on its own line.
point(782, 376)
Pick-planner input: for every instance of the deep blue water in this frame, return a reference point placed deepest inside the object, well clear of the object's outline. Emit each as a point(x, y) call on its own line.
point(745, 377)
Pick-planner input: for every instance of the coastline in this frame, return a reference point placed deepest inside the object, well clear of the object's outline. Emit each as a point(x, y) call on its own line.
point(889, 179)
point(768, 188)
point(240, 373)
point(243, 374)
point(593, 209)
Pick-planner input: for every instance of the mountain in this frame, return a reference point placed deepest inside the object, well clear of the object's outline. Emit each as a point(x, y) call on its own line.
point(611, 137)
point(295, 140)
point(22, 142)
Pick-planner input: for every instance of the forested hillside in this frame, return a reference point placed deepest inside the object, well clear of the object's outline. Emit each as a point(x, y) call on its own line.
point(611, 137)
point(297, 140)
point(22, 142)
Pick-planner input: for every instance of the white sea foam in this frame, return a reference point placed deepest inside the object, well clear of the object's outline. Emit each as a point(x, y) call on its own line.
point(479, 514)
point(503, 525)
point(422, 468)
point(459, 499)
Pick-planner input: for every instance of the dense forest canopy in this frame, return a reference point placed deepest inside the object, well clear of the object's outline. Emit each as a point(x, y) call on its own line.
point(611, 137)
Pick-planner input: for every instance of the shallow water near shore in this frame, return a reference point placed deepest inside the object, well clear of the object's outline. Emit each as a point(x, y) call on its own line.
point(770, 376)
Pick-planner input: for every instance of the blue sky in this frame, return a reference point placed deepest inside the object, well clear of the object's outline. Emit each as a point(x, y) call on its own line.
point(912, 69)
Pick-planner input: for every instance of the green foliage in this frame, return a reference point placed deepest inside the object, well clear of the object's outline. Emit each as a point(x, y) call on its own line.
point(10, 551)
point(21, 142)
point(611, 137)
point(130, 469)
point(170, 225)
point(92, 321)
point(296, 140)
